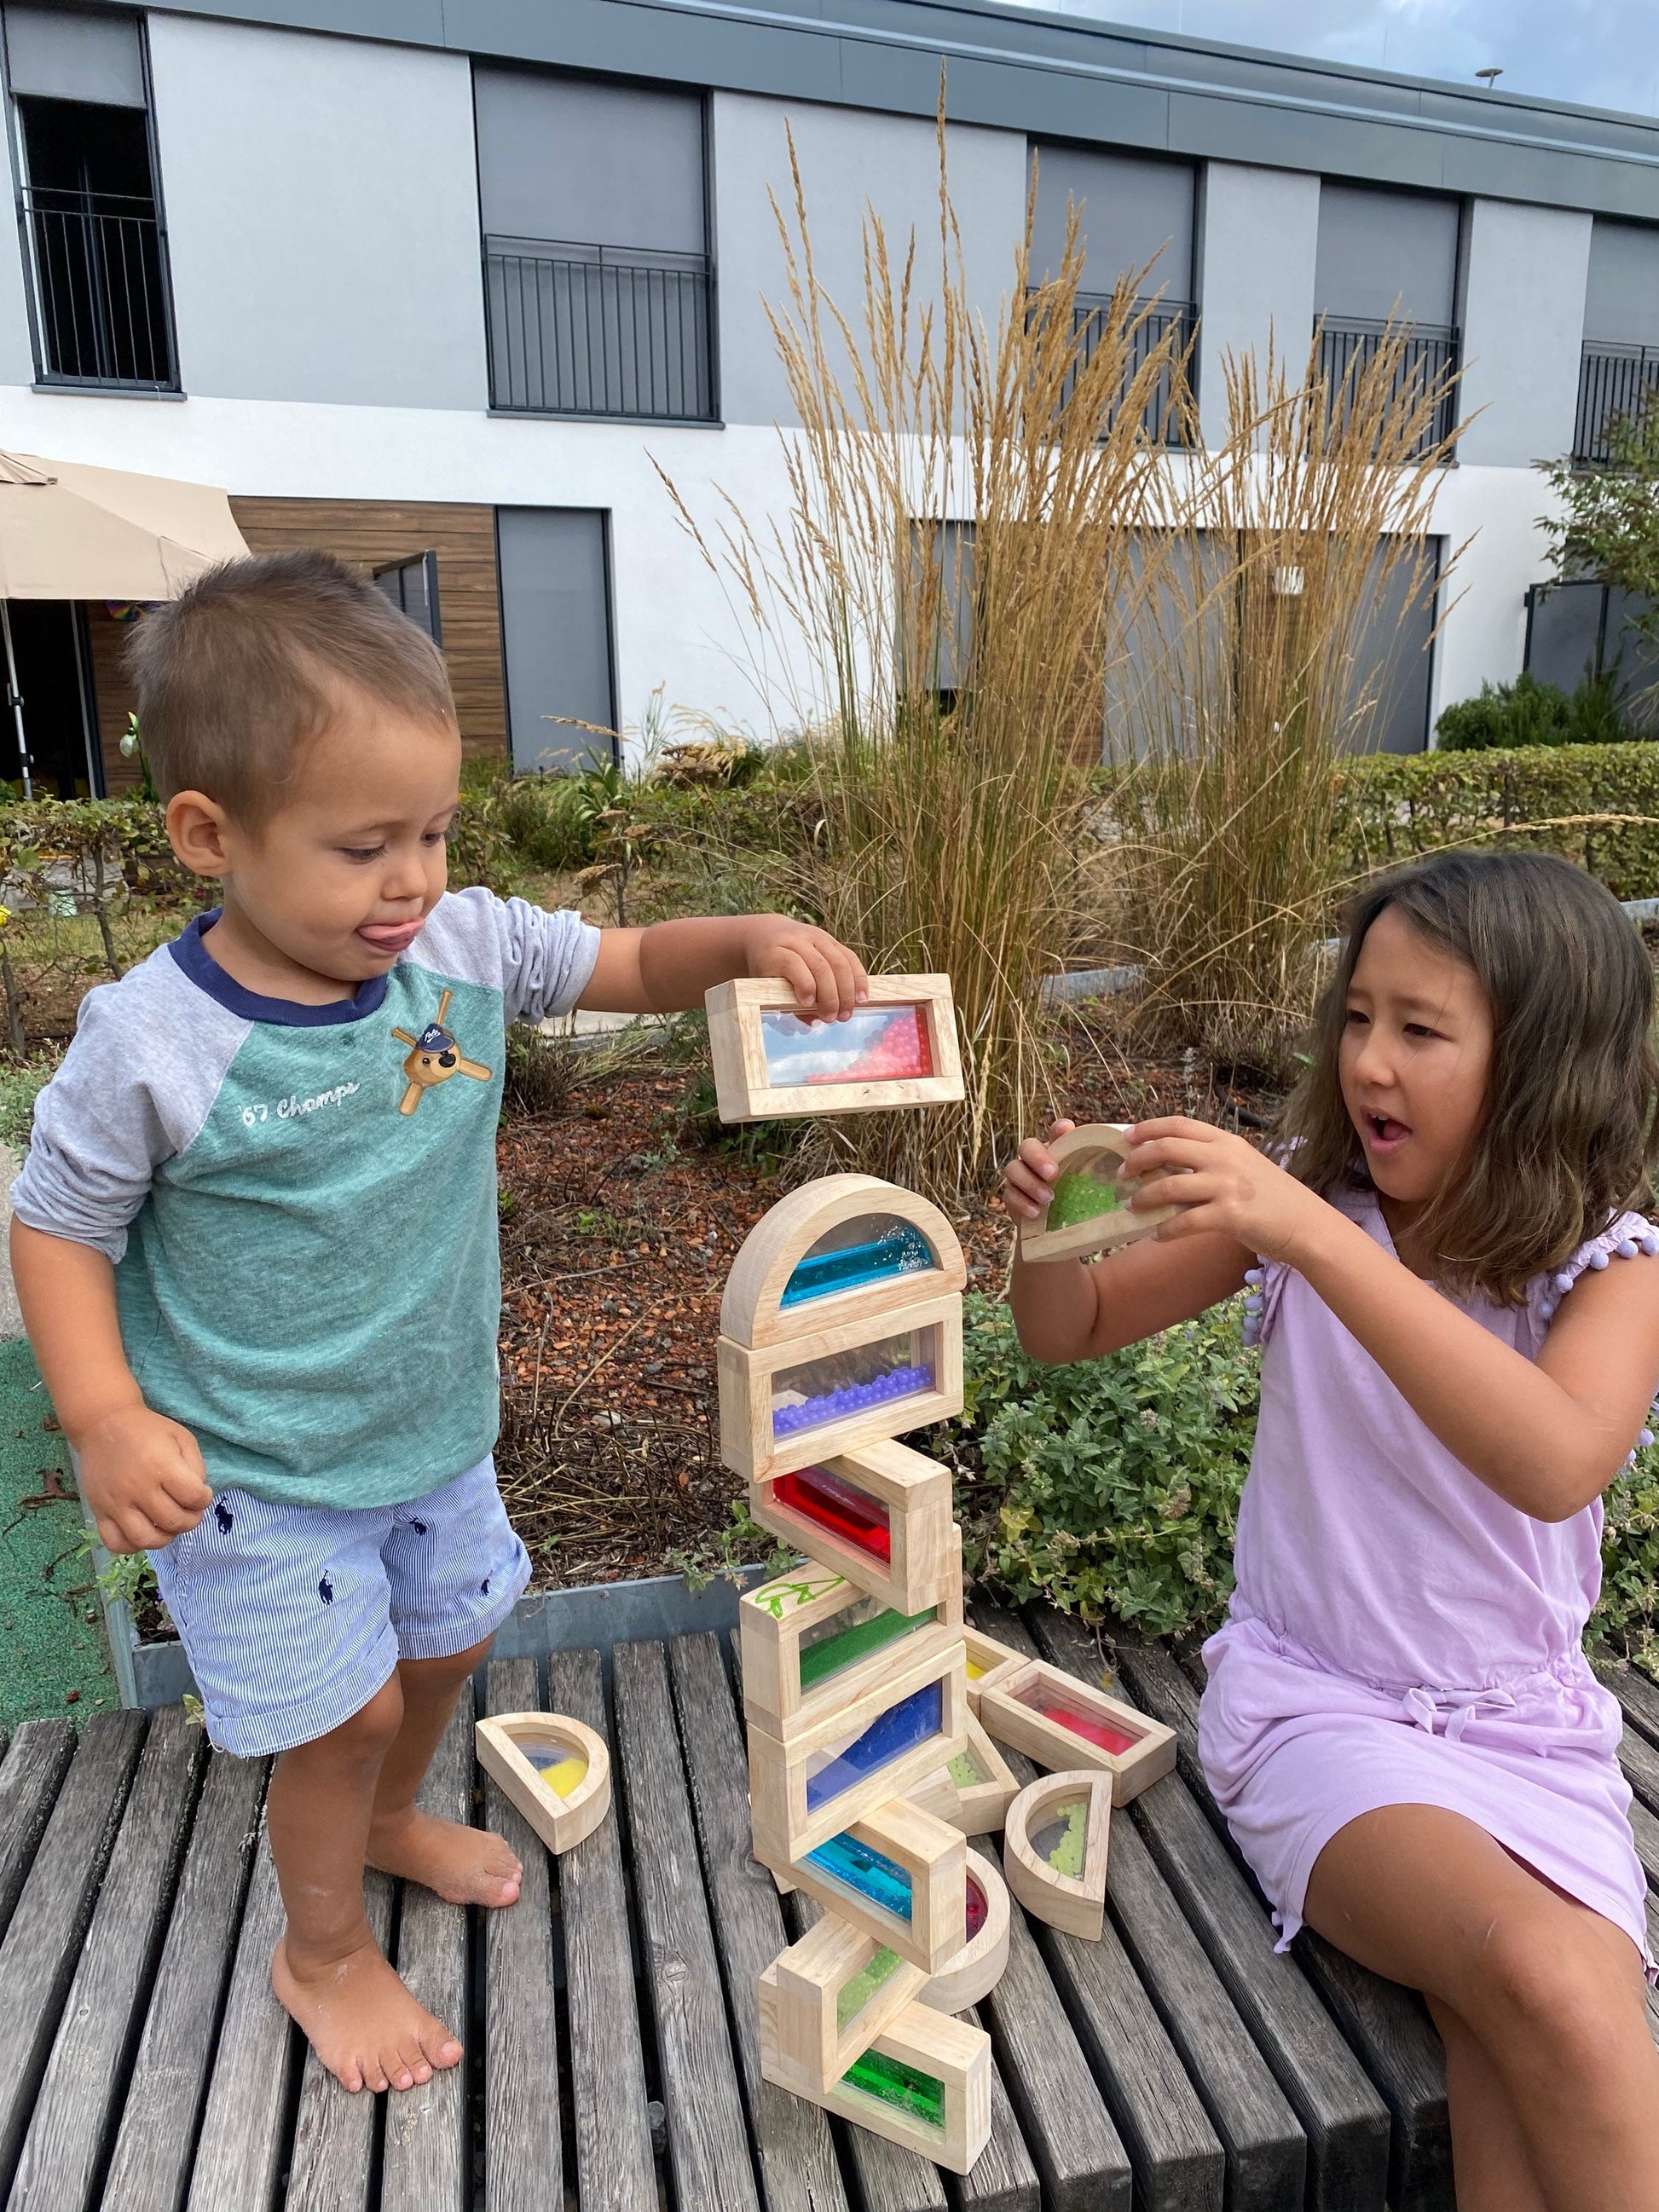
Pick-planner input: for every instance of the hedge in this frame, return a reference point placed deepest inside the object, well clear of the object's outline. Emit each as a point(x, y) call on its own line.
point(1391, 807)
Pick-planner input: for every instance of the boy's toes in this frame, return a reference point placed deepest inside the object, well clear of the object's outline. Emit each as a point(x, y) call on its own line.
point(438, 2047)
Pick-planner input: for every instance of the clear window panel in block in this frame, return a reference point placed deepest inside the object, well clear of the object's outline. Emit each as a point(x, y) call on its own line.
point(838, 1507)
point(844, 1384)
point(1077, 1714)
point(840, 1764)
point(876, 1044)
point(874, 1248)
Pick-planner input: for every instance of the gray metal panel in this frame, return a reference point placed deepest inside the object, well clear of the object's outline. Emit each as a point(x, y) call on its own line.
point(1394, 661)
point(1257, 240)
point(1384, 253)
point(1523, 274)
point(595, 164)
point(1022, 72)
point(66, 54)
point(1130, 211)
point(556, 626)
point(1621, 298)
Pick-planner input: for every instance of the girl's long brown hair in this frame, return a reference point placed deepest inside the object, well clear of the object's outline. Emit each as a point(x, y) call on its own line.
point(1568, 1138)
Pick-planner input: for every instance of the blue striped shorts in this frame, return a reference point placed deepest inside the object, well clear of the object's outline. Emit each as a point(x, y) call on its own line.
point(293, 1616)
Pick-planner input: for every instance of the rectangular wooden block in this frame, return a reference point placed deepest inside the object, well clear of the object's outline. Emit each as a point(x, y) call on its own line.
point(978, 1786)
point(785, 1406)
point(834, 1992)
point(813, 1641)
point(895, 1874)
point(987, 1661)
point(924, 2082)
point(898, 1049)
point(845, 1763)
point(880, 1516)
point(1062, 1722)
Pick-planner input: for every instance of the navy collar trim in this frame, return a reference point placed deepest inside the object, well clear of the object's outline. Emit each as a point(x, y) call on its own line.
point(203, 970)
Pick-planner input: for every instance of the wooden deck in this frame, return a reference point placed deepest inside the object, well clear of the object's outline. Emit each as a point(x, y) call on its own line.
point(1176, 2066)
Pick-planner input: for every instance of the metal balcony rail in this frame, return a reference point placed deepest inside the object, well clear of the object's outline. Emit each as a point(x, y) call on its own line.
point(102, 299)
point(588, 331)
point(1162, 319)
point(1612, 381)
point(1345, 349)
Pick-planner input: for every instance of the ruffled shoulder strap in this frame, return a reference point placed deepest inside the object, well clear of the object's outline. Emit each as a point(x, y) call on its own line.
point(1628, 1238)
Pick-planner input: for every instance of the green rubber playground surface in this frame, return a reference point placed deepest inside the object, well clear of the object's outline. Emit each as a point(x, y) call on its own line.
point(53, 1658)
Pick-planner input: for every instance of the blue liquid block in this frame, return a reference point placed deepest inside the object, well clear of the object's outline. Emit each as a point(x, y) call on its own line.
point(901, 1250)
point(899, 1730)
point(858, 1868)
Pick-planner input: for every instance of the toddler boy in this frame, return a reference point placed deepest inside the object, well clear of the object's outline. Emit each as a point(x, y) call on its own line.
point(255, 1239)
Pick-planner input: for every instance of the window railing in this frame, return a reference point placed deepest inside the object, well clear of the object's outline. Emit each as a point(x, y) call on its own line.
point(586, 330)
point(1612, 380)
point(1160, 319)
point(102, 299)
point(1429, 354)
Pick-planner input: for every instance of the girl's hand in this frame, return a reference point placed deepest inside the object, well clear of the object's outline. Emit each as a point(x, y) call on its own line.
point(1028, 1179)
point(1229, 1188)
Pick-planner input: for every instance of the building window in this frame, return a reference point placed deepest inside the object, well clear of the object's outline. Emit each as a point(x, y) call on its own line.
point(599, 283)
point(1621, 332)
point(1134, 215)
point(1389, 258)
point(88, 210)
point(555, 632)
point(412, 588)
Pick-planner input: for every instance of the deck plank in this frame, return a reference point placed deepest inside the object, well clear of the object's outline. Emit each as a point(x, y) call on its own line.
point(239, 2155)
point(42, 1943)
point(707, 2141)
point(149, 2171)
point(523, 2154)
point(1004, 2177)
point(1638, 1695)
point(428, 2146)
point(37, 1759)
point(334, 2130)
point(798, 2170)
point(77, 2104)
point(615, 2172)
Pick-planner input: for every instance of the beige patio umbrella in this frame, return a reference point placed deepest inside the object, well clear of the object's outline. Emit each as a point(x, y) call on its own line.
point(68, 532)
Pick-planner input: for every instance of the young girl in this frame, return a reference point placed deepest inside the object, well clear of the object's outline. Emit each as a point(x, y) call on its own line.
point(1460, 1318)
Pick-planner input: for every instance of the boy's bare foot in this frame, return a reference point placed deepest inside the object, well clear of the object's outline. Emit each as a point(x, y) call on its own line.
point(364, 2026)
point(465, 1866)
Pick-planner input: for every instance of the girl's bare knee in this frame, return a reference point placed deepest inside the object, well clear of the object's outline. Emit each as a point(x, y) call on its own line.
point(1547, 1982)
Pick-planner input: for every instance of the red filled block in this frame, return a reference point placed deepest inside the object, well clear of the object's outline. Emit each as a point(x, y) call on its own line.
point(977, 1908)
point(1092, 1729)
point(836, 1506)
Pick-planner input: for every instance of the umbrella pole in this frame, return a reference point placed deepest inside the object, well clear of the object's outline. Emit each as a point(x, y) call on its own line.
point(15, 698)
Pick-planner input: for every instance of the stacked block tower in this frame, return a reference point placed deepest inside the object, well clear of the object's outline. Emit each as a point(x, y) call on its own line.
point(869, 1765)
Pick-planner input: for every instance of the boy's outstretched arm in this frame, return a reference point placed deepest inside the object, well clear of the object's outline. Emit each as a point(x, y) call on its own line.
point(666, 969)
point(141, 1474)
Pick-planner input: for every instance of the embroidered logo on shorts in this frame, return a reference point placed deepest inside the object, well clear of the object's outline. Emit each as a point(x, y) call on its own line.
point(433, 1058)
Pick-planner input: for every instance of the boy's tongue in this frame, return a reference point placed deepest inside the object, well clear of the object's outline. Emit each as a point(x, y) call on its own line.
point(389, 936)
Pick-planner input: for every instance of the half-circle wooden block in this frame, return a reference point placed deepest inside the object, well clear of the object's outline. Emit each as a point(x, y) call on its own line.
point(840, 1249)
point(1088, 1210)
point(532, 1756)
point(1053, 1849)
point(978, 1966)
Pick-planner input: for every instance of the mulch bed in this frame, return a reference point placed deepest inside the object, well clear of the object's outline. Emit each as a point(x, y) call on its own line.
point(619, 1228)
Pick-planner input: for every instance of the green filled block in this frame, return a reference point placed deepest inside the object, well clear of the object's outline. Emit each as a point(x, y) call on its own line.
point(819, 1661)
point(893, 2082)
point(1080, 1198)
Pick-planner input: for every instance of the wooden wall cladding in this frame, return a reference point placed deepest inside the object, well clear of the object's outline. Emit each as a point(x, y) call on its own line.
point(369, 533)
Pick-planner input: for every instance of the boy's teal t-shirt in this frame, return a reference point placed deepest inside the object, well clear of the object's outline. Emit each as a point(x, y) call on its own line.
point(300, 1201)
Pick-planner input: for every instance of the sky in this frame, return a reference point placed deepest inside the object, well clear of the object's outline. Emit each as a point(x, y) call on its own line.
point(1604, 53)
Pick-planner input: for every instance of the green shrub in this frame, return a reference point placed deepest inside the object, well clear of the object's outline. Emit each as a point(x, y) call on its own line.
point(542, 818)
point(1529, 712)
point(20, 1087)
point(1627, 1618)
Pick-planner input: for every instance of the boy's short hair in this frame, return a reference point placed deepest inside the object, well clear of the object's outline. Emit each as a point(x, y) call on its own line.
point(238, 675)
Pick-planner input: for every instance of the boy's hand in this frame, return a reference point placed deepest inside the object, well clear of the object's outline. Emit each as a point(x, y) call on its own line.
point(142, 1476)
point(827, 981)
point(1028, 1176)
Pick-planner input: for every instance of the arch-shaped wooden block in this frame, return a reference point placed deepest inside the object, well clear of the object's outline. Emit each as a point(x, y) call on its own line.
point(1074, 1902)
point(1088, 1211)
point(899, 1048)
point(805, 1267)
point(529, 1755)
point(978, 1966)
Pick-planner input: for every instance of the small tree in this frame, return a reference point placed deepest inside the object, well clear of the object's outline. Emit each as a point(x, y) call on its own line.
point(1608, 527)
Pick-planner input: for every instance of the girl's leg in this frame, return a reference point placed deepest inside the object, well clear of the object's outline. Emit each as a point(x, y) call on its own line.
point(1491, 2165)
point(328, 1972)
point(1550, 1991)
point(468, 1866)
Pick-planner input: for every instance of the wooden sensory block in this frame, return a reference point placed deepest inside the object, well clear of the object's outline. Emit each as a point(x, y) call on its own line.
point(811, 1641)
point(925, 2083)
point(555, 1770)
point(1088, 1208)
point(880, 1516)
point(1062, 1722)
point(898, 1050)
point(868, 1753)
point(896, 1875)
point(975, 1789)
point(1053, 1850)
point(978, 1966)
point(786, 1406)
point(833, 1993)
point(987, 1663)
point(838, 1250)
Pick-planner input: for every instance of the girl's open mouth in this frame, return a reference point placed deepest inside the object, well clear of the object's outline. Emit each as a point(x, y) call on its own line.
point(1382, 1133)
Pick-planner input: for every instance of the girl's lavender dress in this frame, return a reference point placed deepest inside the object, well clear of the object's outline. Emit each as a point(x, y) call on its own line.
point(1398, 1634)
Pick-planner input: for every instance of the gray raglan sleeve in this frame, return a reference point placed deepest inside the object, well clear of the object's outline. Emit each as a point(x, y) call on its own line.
point(546, 958)
point(131, 1092)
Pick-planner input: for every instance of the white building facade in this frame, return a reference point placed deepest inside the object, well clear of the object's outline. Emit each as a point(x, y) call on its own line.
point(441, 284)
